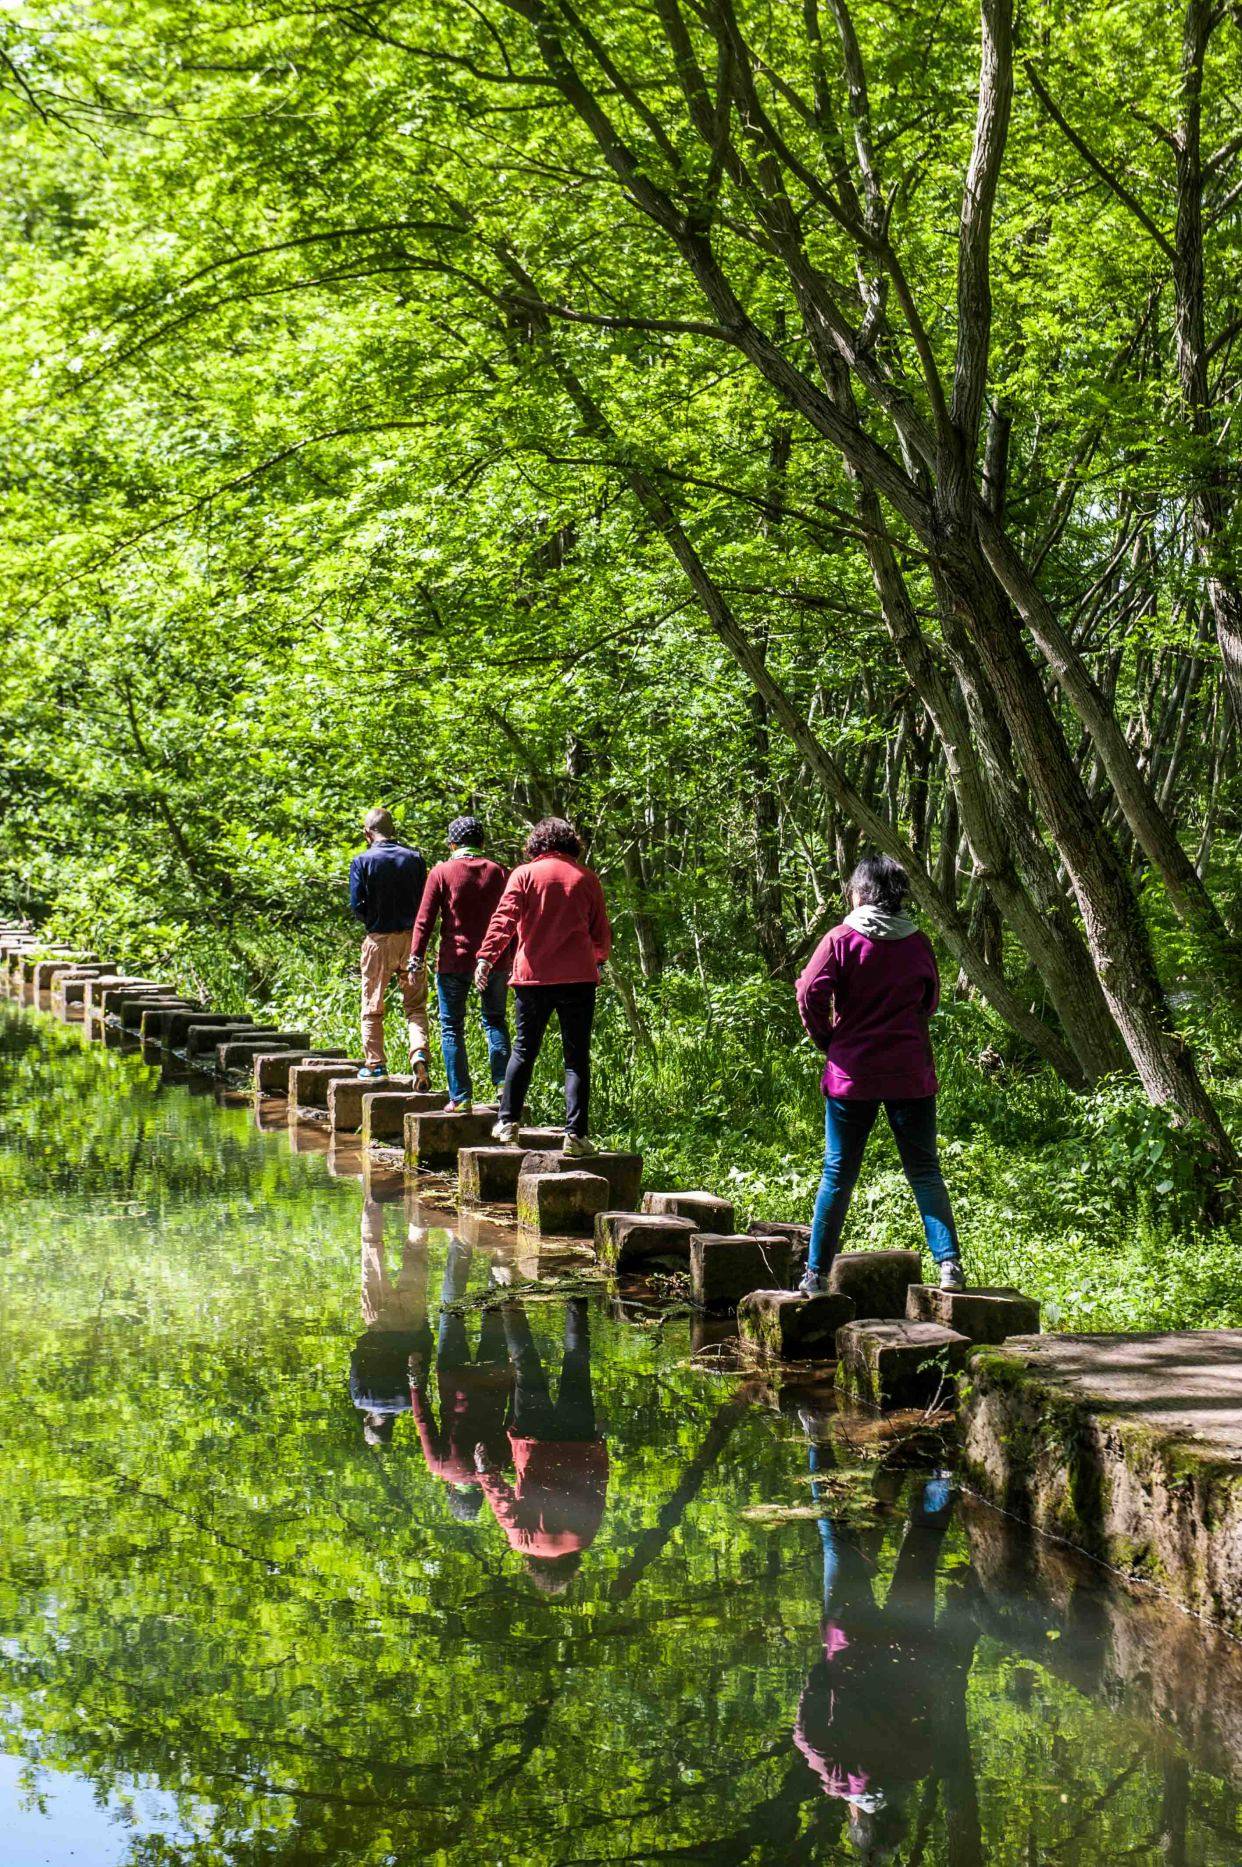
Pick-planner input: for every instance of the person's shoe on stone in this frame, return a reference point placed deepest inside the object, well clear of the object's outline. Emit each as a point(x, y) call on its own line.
point(576, 1147)
point(951, 1275)
point(464, 1107)
point(506, 1132)
point(420, 1073)
point(813, 1284)
point(372, 1072)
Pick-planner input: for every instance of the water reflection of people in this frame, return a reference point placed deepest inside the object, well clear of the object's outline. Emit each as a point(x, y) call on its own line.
point(473, 1391)
point(871, 1715)
point(553, 1509)
point(396, 1337)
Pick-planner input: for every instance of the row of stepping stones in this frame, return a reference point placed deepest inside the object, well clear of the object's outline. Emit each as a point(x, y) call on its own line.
point(895, 1341)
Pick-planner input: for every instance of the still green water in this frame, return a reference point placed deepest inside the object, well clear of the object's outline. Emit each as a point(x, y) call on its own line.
point(297, 1564)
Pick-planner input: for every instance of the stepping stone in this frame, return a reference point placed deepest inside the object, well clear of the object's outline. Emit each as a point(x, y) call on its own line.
point(309, 1083)
point(132, 1010)
point(69, 988)
point(31, 962)
point(798, 1238)
point(46, 971)
point(727, 1266)
point(899, 1364)
point(876, 1281)
point(623, 1172)
point(96, 985)
point(558, 1205)
point(384, 1111)
point(104, 997)
point(201, 1039)
point(627, 1241)
point(345, 1098)
point(1128, 1447)
point(779, 1325)
point(237, 1054)
point(488, 1176)
point(709, 1213)
point(986, 1316)
point(272, 1067)
point(433, 1142)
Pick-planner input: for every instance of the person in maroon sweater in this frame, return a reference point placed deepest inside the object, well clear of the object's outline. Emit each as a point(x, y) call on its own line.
point(553, 1509)
point(462, 894)
point(553, 909)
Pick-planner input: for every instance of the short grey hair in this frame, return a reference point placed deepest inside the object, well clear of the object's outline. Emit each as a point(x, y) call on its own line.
point(380, 821)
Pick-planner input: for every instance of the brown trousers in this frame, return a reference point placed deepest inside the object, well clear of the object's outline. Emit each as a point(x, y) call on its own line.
point(383, 956)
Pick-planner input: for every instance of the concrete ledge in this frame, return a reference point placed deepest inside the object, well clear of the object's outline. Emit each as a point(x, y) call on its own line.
point(557, 1205)
point(626, 1241)
point(725, 1267)
point(272, 1067)
point(709, 1213)
point(986, 1316)
point(899, 1364)
point(875, 1281)
point(1127, 1447)
point(779, 1325)
point(384, 1111)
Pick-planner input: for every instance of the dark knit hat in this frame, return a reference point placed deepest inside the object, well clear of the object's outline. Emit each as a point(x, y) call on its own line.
point(465, 833)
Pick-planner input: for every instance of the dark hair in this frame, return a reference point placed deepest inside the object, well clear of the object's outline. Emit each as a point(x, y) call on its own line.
point(880, 882)
point(553, 836)
point(463, 831)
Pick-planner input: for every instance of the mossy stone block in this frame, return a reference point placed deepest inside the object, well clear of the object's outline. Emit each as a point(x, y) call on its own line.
point(627, 1241)
point(710, 1213)
point(272, 1067)
point(899, 1364)
point(433, 1141)
point(725, 1267)
point(309, 1083)
point(779, 1325)
point(557, 1205)
point(384, 1111)
point(235, 1054)
point(875, 1281)
point(986, 1316)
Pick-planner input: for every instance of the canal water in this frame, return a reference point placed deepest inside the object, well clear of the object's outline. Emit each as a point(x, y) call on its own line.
point(338, 1528)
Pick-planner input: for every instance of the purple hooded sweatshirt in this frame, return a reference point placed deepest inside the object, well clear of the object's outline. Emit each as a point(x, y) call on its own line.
point(865, 999)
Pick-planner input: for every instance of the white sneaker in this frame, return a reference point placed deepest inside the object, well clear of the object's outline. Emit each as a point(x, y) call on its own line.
point(814, 1284)
point(506, 1132)
point(577, 1147)
point(951, 1277)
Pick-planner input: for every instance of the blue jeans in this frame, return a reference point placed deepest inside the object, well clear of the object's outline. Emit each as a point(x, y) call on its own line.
point(847, 1125)
point(453, 991)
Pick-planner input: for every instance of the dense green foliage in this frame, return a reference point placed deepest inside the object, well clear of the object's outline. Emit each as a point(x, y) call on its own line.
point(211, 1588)
point(354, 404)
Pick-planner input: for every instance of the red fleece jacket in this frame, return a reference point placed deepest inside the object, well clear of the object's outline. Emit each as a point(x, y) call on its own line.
point(554, 908)
point(463, 892)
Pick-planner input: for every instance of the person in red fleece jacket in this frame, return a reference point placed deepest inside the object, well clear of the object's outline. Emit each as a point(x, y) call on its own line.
point(553, 1509)
point(553, 911)
point(462, 894)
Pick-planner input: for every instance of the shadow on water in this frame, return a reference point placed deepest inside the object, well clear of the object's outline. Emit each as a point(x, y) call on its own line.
point(342, 1527)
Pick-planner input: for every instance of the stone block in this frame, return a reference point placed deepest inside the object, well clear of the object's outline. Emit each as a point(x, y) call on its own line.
point(95, 986)
point(544, 1138)
point(623, 1172)
point(40, 956)
point(797, 1237)
point(433, 1142)
point(46, 969)
point(105, 999)
point(627, 1241)
point(345, 1098)
point(201, 1039)
point(384, 1111)
point(725, 1267)
point(69, 988)
point(985, 1316)
point(875, 1281)
point(557, 1205)
point(272, 1067)
point(488, 1176)
point(132, 1010)
point(709, 1213)
point(155, 1018)
point(779, 1325)
point(309, 1083)
point(237, 1054)
point(899, 1364)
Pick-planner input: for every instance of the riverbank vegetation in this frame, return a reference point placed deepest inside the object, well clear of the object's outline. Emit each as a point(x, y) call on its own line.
point(758, 433)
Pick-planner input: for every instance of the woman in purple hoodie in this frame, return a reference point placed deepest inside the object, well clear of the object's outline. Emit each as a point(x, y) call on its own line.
point(865, 999)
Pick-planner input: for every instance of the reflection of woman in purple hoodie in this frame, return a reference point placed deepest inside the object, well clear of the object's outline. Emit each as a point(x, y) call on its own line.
point(865, 998)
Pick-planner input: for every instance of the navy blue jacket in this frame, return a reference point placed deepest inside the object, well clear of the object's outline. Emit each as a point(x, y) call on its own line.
point(386, 887)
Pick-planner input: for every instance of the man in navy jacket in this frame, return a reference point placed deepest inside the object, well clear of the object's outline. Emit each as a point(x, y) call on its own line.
point(385, 889)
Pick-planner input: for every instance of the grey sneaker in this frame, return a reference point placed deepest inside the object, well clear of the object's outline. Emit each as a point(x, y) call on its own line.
point(951, 1277)
point(814, 1284)
point(577, 1147)
point(506, 1132)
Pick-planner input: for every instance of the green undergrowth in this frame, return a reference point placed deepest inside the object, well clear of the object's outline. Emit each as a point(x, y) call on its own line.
point(1097, 1204)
